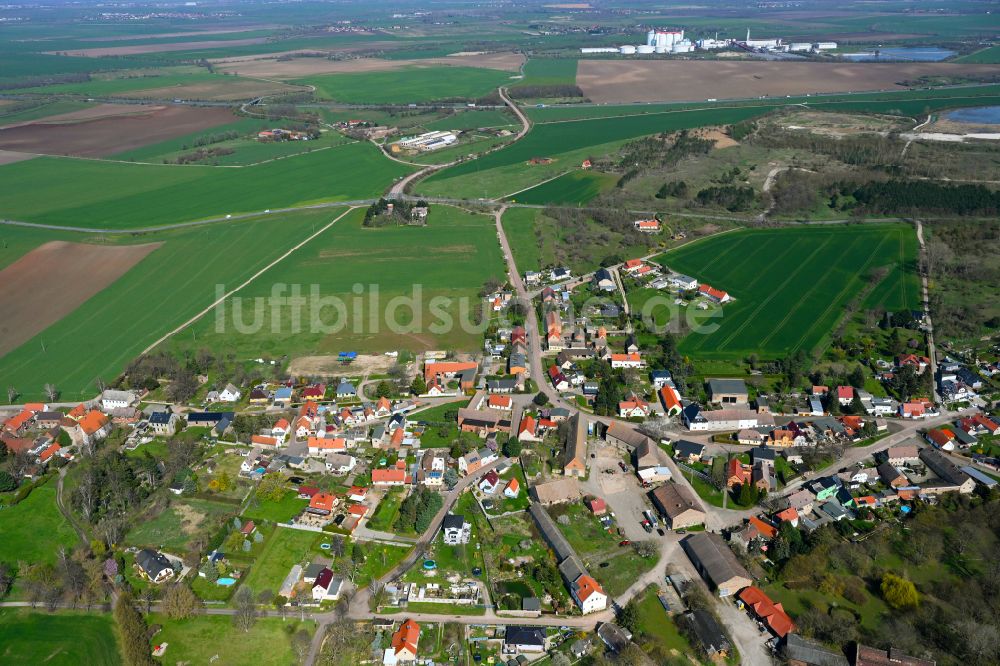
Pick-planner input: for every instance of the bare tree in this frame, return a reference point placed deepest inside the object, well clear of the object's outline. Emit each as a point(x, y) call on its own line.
point(51, 392)
point(246, 609)
point(11, 394)
point(180, 602)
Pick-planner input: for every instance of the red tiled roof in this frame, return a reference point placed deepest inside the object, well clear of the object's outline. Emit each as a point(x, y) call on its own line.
point(766, 529)
point(772, 614)
point(406, 637)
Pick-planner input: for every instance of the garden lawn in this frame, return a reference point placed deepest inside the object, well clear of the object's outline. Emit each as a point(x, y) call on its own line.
point(790, 286)
point(573, 188)
point(283, 549)
point(113, 195)
point(200, 639)
point(180, 277)
point(277, 512)
point(420, 278)
point(410, 84)
point(63, 639)
point(656, 626)
point(174, 527)
point(387, 511)
point(380, 558)
point(33, 530)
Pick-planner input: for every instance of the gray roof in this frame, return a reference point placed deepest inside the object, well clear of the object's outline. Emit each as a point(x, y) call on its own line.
point(943, 467)
point(531, 604)
point(160, 417)
point(550, 532)
point(712, 556)
point(152, 562)
point(525, 636)
point(454, 521)
point(708, 631)
point(805, 651)
point(716, 386)
point(687, 448)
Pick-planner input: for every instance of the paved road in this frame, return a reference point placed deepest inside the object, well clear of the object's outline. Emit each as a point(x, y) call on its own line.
point(359, 606)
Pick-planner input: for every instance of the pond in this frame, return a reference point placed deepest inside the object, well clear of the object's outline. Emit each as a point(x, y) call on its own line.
point(910, 53)
point(980, 115)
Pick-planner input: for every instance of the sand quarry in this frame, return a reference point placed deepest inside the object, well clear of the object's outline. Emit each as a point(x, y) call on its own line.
point(606, 81)
point(60, 277)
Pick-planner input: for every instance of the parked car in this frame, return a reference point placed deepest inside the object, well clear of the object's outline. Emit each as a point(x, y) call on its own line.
point(623, 466)
point(624, 542)
point(646, 526)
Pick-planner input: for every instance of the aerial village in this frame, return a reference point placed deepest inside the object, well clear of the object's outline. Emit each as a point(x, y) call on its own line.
point(561, 473)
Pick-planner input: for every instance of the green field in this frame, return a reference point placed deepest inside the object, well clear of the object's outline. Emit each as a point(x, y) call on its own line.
point(285, 548)
point(473, 119)
point(410, 84)
point(34, 529)
point(450, 258)
point(172, 284)
point(988, 56)
point(108, 195)
point(790, 286)
point(573, 187)
point(207, 639)
point(66, 639)
point(519, 226)
point(549, 72)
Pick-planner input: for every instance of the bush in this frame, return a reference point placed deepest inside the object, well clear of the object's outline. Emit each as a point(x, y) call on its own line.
point(899, 592)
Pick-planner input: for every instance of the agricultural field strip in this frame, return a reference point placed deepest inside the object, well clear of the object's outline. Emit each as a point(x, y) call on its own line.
point(774, 293)
point(191, 165)
point(892, 282)
point(834, 302)
point(816, 101)
point(815, 285)
point(253, 277)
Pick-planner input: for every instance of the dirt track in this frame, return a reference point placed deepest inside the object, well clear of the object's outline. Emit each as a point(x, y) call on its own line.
point(109, 135)
point(606, 81)
point(51, 281)
point(273, 68)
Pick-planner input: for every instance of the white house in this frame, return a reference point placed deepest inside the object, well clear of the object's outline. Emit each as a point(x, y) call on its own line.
point(455, 529)
point(490, 482)
point(229, 394)
point(633, 360)
point(163, 423)
point(589, 595)
point(112, 399)
point(340, 463)
point(327, 586)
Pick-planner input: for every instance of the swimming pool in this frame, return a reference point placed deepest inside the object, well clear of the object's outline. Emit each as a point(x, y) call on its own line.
point(226, 582)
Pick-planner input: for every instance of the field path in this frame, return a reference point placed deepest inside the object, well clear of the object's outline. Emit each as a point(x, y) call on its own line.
point(250, 279)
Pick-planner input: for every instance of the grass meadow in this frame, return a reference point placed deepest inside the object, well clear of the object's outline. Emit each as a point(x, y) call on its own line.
point(451, 257)
point(410, 84)
point(206, 639)
point(790, 286)
point(109, 195)
point(66, 639)
point(33, 529)
point(519, 226)
point(170, 285)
